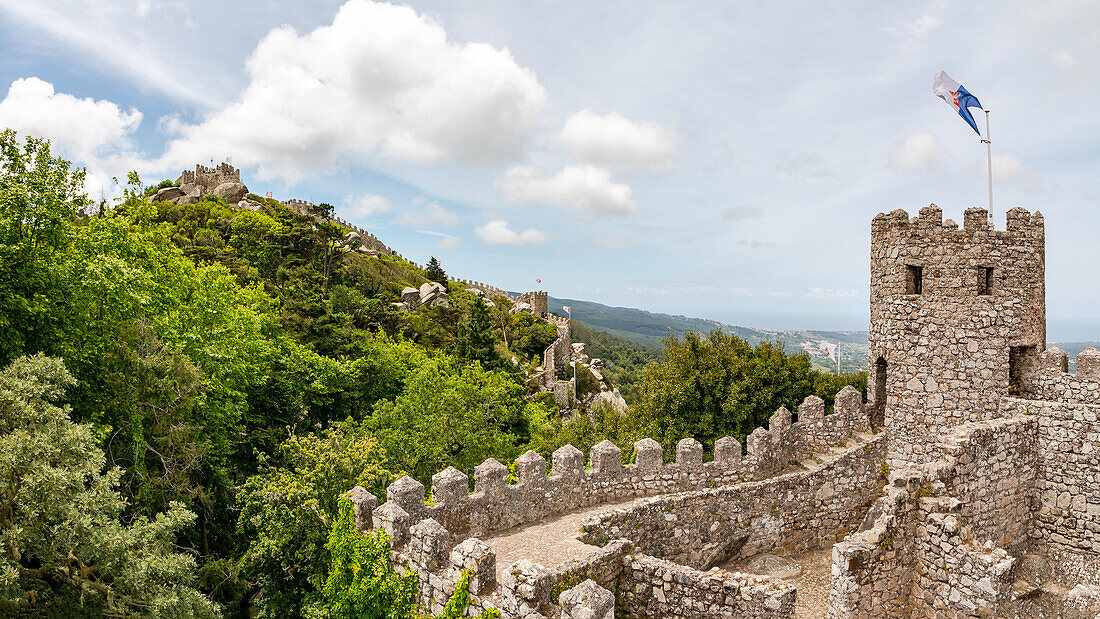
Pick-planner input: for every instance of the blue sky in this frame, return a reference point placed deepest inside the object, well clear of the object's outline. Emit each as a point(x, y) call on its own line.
point(714, 159)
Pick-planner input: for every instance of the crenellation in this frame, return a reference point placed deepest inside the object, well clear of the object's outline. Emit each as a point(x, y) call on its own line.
point(363, 503)
point(606, 458)
point(727, 452)
point(567, 462)
point(648, 455)
point(1088, 364)
point(530, 467)
point(408, 494)
point(490, 478)
point(689, 454)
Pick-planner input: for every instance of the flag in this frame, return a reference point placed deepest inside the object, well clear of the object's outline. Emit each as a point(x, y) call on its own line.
point(538, 280)
point(566, 308)
point(830, 349)
point(957, 97)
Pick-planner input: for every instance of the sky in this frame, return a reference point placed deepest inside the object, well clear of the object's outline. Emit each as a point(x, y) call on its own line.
point(714, 159)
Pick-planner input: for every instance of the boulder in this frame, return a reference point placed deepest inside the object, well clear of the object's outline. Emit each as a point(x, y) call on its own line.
point(250, 205)
point(232, 192)
point(431, 292)
point(353, 237)
point(370, 252)
point(168, 194)
point(521, 307)
point(401, 307)
point(186, 200)
point(410, 297)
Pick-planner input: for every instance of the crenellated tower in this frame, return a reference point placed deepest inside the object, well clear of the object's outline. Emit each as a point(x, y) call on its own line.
point(958, 316)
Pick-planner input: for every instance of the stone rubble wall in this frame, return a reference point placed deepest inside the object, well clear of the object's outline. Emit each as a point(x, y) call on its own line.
point(556, 356)
point(995, 478)
point(495, 505)
point(1066, 523)
point(652, 587)
point(947, 348)
point(930, 546)
point(790, 513)
point(1051, 381)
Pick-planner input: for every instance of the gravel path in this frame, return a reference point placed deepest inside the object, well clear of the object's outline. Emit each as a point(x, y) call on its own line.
point(550, 541)
point(813, 585)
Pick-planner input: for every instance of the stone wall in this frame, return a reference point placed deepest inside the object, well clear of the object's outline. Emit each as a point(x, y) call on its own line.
point(1066, 524)
point(557, 355)
point(931, 546)
point(947, 348)
point(652, 587)
point(207, 178)
point(994, 478)
point(495, 505)
point(790, 513)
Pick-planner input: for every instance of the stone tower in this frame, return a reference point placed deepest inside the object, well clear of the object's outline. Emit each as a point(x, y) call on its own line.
point(957, 318)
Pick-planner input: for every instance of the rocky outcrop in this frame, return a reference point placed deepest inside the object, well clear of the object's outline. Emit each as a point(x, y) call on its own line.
point(430, 294)
point(232, 192)
point(168, 194)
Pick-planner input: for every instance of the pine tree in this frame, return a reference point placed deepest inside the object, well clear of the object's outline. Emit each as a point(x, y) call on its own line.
point(434, 272)
point(477, 342)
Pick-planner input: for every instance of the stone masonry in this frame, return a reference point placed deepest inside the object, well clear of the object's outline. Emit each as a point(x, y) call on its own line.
point(979, 495)
point(948, 308)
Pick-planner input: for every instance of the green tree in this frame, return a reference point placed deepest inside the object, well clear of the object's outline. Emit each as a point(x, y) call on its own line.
point(361, 581)
point(289, 507)
point(435, 272)
point(476, 341)
point(64, 547)
point(452, 413)
point(39, 198)
point(719, 385)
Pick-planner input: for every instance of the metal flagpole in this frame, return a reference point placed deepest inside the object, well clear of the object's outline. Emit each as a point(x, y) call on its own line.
point(989, 164)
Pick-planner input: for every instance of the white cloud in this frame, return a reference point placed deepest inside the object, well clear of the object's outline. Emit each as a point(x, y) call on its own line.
point(919, 150)
point(104, 31)
point(613, 142)
point(756, 243)
point(83, 128)
point(610, 241)
point(497, 232)
point(583, 188)
point(1009, 169)
point(380, 80)
point(364, 206)
point(832, 293)
point(737, 213)
point(426, 212)
point(804, 165)
point(446, 241)
point(91, 133)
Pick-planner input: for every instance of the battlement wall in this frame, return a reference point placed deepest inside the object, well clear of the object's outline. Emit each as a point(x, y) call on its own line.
point(557, 355)
point(795, 512)
point(1049, 378)
point(951, 309)
point(933, 544)
point(208, 177)
point(1066, 522)
point(495, 505)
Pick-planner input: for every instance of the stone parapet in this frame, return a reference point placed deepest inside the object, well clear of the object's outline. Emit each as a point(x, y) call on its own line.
point(496, 505)
point(789, 513)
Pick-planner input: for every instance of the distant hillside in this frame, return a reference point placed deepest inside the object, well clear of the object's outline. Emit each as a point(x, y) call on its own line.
point(648, 328)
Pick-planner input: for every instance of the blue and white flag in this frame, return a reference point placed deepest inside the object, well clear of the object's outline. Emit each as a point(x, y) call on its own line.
point(957, 97)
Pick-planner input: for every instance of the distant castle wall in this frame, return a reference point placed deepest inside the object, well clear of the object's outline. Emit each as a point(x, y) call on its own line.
point(204, 179)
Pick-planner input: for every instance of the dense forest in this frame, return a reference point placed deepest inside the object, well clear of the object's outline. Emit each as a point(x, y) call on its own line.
point(186, 392)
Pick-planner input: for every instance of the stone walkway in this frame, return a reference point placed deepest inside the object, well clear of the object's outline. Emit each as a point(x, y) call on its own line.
point(812, 581)
point(551, 541)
